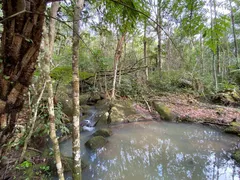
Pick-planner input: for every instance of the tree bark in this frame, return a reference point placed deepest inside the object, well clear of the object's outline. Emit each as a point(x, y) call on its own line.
point(21, 38)
point(234, 33)
point(159, 34)
point(78, 6)
point(215, 80)
point(218, 67)
point(117, 57)
point(49, 37)
point(202, 55)
point(145, 50)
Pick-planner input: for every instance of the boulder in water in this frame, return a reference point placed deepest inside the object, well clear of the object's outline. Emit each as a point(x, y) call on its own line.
point(120, 112)
point(96, 142)
point(116, 115)
point(103, 132)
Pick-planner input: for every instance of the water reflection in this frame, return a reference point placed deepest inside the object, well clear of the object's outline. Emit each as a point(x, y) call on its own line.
point(153, 151)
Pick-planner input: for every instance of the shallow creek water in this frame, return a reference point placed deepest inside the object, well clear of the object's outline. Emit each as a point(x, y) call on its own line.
point(160, 150)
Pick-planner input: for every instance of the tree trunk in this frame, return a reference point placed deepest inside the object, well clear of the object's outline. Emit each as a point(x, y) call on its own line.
point(218, 67)
point(145, 50)
point(215, 80)
point(21, 38)
point(234, 34)
point(202, 56)
point(49, 37)
point(159, 34)
point(78, 6)
point(117, 57)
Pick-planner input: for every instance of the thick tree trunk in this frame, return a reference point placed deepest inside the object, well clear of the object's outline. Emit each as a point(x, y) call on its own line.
point(49, 36)
point(117, 57)
point(21, 38)
point(78, 6)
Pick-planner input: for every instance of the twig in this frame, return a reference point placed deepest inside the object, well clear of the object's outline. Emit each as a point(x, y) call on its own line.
point(30, 148)
point(149, 108)
point(16, 14)
point(32, 122)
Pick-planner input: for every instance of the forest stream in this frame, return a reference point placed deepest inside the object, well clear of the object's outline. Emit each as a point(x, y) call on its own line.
point(156, 150)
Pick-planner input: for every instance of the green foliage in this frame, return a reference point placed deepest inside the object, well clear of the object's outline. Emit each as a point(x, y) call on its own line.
point(166, 80)
point(64, 74)
point(235, 74)
point(212, 35)
point(59, 119)
point(129, 87)
point(226, 85)
point(24, 165)
point(123, 14)
point(45, 168)
point(192, 21)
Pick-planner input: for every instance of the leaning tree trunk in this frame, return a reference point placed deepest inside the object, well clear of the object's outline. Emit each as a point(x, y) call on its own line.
point(78, 6)
point(117, 57)
point(21, 38)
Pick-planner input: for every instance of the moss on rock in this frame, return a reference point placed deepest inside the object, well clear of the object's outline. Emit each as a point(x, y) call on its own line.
point(103, 132)
point(234, 128)
point(164, 112)
point(120, 111)
point(102, 118)
point(236, 155)
point(96, 142)
point(116, 115)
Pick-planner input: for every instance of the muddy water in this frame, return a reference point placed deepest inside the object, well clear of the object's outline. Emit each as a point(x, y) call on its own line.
point(160, 150)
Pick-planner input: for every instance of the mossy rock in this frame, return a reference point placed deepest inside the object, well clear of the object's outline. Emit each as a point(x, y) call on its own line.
point(66, 103)
point(84, 98)
point(103, 132)
point(234, 128)
point(120, 111)
point(236, 96)
point(94, 98)
point(96, 142)
point(164, 112)
point(231, 97)
point(236, 155)
point(67, 163)
point(116, 115)
point(85, 110)
point(103, 105)
point(102, 118)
